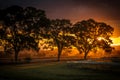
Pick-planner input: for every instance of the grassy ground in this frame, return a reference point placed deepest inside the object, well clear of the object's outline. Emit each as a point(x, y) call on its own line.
point(55, 71)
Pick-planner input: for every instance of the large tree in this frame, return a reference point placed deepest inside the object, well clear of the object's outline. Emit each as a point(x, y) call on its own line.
point(22, 27)
point(58, 32)
point(90, 35)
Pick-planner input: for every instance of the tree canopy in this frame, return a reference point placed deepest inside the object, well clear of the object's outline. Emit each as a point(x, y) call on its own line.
point(58, 32)
point(23, 28)
point(88, 34)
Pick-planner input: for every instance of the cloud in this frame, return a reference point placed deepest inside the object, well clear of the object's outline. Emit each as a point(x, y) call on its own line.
point(110, 8)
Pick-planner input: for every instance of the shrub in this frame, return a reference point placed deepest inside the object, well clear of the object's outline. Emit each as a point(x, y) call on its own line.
point(28, 59)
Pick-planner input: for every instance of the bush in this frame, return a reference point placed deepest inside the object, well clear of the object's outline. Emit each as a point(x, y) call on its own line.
point(28, 59)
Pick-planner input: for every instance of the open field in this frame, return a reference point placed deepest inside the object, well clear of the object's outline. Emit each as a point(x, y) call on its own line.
point(46, 68)
point(59, 71)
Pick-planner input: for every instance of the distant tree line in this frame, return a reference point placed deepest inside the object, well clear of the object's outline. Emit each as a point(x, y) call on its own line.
point(23, 28)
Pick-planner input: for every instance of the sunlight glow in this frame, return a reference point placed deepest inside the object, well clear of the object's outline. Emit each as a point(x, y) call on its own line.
point(116, 41)
point(100, 38)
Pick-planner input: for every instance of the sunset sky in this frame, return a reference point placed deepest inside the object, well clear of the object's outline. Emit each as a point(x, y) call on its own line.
point(107, 11)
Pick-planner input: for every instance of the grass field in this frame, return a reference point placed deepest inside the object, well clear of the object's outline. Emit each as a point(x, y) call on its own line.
point(55, 71)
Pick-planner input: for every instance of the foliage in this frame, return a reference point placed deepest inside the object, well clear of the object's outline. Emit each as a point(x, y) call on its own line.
point(58, 32)
point(87, 34)
point(21, 28)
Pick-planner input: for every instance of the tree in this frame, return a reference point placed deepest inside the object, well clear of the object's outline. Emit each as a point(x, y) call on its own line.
point(22, 27)
point(58, 32)
point(90, 35)
point(15, 36)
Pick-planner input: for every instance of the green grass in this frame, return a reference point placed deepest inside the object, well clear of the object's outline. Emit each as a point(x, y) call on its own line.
point(54, 71)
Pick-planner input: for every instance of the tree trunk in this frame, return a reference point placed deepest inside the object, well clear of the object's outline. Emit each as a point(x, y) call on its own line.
point(59, 53)
point(60, 47)
point(5, 50)
point(85, 56)
point(16, 56)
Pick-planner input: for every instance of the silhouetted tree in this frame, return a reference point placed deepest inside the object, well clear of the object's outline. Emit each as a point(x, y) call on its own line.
point(58, 32)
point(90, 35)
point(23, 27)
